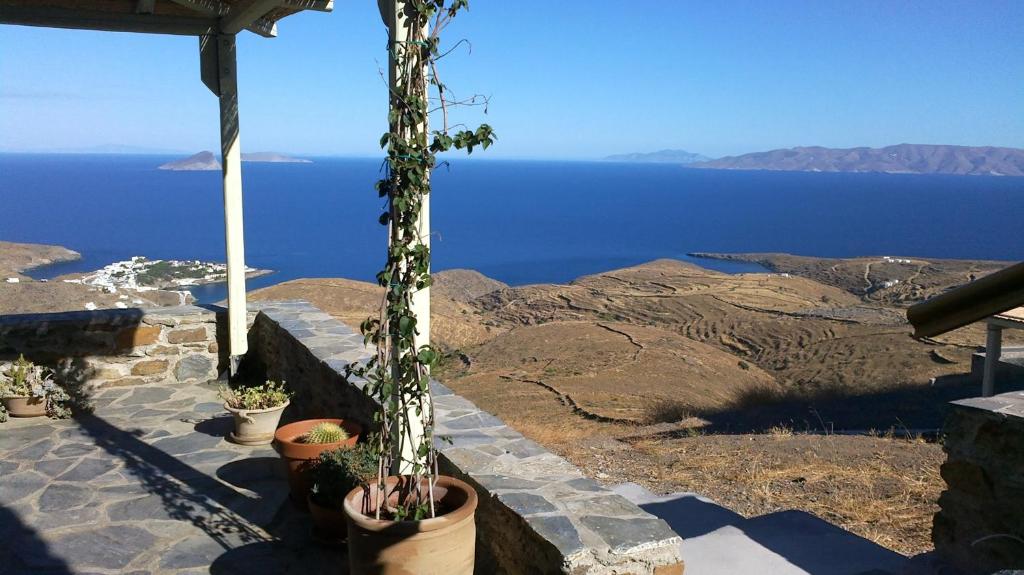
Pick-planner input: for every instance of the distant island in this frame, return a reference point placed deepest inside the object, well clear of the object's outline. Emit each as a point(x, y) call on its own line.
point(900, 159)
point(273, 157)
point(199, 162)
point(660, 157)
point(205, 160)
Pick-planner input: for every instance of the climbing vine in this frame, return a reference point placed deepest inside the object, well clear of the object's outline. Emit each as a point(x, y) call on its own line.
point(398, 376)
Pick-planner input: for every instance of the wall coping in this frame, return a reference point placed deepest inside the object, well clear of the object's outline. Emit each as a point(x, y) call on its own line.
point(110, 315)
point(593, 529)
point(1009, 405)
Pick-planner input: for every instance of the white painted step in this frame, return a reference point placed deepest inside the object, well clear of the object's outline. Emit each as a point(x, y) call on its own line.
point(718, 541)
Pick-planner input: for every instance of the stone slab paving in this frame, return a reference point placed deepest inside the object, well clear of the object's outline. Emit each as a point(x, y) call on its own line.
point(148, 484)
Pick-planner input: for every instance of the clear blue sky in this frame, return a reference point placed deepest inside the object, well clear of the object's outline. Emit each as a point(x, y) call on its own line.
point(567, 82)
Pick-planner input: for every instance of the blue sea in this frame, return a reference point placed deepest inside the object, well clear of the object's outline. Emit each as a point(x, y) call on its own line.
point(518, 221)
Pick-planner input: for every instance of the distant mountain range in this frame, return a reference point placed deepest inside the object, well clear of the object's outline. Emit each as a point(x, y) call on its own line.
point(661, 157)
point(900, 159)
point(207, 161)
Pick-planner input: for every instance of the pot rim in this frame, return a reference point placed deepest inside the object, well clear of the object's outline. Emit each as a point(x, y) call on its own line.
point(353, 510)
point(286, 403)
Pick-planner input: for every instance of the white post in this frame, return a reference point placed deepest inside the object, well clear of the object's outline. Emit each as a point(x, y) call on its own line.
point(218, 64)
point(993, 350)
point(393, 13)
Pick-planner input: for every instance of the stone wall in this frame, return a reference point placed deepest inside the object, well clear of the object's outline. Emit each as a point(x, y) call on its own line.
point(980, 525)
point(537, 514)
point(302, 346)
point(119, 347)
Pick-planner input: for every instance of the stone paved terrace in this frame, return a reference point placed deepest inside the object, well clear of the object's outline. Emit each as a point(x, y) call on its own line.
point(147, 485)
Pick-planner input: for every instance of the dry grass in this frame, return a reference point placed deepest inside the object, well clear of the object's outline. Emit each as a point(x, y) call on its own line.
point(667, 411)
point(882, 489)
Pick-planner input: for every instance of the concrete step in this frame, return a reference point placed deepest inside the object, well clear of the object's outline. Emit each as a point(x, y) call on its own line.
point(718, 541)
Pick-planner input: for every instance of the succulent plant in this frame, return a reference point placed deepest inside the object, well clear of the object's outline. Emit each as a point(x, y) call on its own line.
point(270, 394)
point(325, 433)
point(22, 378)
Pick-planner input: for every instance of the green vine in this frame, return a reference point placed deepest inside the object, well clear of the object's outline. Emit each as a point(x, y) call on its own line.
point(398, 376)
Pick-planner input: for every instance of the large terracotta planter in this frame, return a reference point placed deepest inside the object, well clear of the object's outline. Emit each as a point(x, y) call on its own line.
point(329, 527)
point(255, 426)
point(25, 406)
point(300, 456)
point(444, 545)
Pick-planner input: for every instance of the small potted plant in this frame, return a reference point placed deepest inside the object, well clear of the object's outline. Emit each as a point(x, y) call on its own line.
point(28, 390)
point(334, 475)
point(257, 410)
point(301, 443)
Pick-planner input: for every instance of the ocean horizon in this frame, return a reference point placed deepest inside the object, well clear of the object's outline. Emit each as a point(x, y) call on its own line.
point(518, 221)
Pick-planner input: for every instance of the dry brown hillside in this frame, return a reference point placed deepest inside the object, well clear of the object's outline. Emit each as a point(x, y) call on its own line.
point(900, 281)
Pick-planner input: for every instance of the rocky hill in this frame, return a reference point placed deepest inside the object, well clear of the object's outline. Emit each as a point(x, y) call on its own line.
point(900, 159)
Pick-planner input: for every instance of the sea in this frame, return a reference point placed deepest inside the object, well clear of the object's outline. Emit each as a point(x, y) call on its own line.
point(521, 222)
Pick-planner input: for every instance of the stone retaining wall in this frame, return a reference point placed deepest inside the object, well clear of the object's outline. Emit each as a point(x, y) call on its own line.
point(538, 513)
point(118, 347)
point(980, 526)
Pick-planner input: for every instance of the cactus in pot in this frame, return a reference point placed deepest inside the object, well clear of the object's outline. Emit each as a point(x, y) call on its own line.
point(326, 432)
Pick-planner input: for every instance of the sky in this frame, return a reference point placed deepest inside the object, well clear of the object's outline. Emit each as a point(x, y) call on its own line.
point(567, 79)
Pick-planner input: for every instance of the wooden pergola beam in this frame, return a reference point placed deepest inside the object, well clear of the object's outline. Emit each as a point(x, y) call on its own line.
point(245, 13)
point(55, 17)
point(317, 5)
point(209, 7)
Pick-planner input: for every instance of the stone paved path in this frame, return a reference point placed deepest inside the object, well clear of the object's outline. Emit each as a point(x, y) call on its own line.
point(148, 485)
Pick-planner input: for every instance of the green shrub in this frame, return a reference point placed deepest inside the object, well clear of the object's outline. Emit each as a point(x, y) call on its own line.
point(341, 470)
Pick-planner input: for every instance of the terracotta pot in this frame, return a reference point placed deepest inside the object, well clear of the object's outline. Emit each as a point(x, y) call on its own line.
point(25, 406)
point(444, 545)
point(255, 426)
point(329, 525)
point(300, 457)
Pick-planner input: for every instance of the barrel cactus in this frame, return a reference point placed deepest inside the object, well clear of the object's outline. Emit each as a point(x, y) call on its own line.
point(326, 433)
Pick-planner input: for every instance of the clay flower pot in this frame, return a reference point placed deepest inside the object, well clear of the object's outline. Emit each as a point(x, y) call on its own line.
point(329, 527)
point(25, 406)
point(444, 545)
point(301, 456)
point(255, 426)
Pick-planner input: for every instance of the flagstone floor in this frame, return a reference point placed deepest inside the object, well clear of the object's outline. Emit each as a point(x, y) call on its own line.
point(148, 484)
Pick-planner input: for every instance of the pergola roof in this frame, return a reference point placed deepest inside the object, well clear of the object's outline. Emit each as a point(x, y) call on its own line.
point(183, 17)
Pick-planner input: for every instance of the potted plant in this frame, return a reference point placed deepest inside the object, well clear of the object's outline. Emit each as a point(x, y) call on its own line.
point(257, 410)
point(409, 518)
point(334, 475)
point(28, 390)
point(301, 443)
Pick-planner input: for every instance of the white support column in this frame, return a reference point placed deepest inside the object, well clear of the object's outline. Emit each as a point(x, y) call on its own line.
point(393, 13)
point(217, 55)
point(993, 351)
